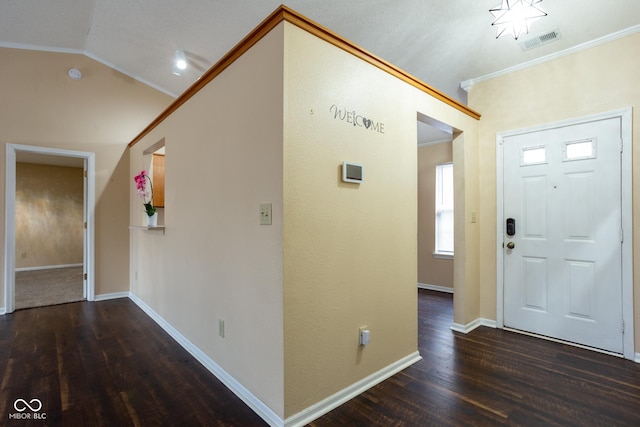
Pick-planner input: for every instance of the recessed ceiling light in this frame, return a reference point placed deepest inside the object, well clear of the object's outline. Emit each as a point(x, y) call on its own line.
point(179, 62)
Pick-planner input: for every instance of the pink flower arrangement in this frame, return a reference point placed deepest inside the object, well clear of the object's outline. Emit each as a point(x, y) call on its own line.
point(141, 188)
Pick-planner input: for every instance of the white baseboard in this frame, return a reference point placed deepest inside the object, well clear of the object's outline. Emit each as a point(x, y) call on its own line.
point(465, 329)
point(435, 288)
point(637, 360)
point(3, 311)
point(48, 267)
point(113, 295)
point(238, 389)
point(302, 418)
point(319, 409)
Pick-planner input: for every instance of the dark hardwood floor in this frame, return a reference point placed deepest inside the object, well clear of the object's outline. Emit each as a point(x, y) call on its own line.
point(108, 364)
point(490, 377)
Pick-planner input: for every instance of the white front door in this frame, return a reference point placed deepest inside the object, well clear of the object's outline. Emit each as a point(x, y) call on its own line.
point(562, 266)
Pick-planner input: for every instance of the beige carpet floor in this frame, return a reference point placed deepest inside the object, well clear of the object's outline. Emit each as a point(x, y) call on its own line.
point(36, 288)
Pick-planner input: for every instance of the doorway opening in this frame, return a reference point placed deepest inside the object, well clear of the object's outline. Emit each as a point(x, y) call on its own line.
point(70, 262)
point(435, 205)
point(435, 217)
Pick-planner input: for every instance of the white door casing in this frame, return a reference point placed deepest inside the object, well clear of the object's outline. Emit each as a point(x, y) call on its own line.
point(89, 209)
point(566, 276)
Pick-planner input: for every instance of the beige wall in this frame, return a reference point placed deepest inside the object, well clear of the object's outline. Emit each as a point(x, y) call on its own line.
point(601, 79)
point(431, 270)
point(338, 256)
point(101, 113)
point(350, 250)
point(215, 261)
point(49, 215)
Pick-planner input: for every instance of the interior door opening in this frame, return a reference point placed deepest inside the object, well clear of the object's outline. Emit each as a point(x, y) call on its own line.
point(435, 219)
point(55, 244)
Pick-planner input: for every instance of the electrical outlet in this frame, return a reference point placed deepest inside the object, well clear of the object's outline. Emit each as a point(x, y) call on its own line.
point(23, 255)
point(221, 328)
point(265, 214)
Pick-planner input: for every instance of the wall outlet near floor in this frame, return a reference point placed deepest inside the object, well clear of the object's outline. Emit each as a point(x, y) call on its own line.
point(265, 214)
point(23, 255)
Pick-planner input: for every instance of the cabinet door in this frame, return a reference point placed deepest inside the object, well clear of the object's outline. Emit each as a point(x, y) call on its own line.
point(158, 180)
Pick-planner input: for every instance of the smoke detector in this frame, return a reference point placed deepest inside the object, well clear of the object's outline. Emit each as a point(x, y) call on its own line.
point(74, 74)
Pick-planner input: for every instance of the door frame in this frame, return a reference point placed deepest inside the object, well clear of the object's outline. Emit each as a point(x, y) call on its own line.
point(625, 116)
point(10, 220)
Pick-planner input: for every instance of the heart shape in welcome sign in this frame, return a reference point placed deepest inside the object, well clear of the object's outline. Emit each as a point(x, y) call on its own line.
point(366, 122)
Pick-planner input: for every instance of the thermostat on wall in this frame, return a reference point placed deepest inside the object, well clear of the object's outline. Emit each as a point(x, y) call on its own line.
point(352, 172)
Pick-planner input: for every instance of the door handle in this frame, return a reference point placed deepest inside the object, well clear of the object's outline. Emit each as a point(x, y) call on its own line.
point(511, 245)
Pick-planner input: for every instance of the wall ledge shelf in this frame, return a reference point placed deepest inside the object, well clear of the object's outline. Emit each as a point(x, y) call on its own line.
point(147, 227)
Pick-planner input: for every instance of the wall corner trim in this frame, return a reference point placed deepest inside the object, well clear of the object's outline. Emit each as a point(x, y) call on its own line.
point(283, 13)
point(436, 288)
point(465, 329)
point(113, 295)
point(231, 383)
point(324, 406)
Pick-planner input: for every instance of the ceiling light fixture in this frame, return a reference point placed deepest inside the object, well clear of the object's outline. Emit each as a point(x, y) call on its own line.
point(514, 16)
point(179, 63)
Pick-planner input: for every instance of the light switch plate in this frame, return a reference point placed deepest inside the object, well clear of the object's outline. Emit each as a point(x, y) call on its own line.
point(365, 335)
point(265, 214)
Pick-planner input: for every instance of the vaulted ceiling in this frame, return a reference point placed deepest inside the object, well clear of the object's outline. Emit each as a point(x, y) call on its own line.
point(441, 42)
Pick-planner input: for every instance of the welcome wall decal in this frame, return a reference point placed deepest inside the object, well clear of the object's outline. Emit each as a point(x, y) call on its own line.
point(355, 119)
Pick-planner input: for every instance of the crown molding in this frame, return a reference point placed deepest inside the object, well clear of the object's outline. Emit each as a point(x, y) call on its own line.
point(440, 141)
point(133, 76)
point(88, 54)
point(53, 49)
point(467, 84)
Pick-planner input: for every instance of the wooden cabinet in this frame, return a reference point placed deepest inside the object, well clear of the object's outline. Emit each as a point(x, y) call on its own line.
point(158, 180)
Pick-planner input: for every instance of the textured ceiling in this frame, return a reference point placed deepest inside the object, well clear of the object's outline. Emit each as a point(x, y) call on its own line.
point(441, 42)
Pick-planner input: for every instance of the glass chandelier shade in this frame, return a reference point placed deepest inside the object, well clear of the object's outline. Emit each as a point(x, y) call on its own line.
point(515, 16)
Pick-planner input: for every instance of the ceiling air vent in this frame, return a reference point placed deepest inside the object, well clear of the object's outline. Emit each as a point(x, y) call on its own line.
point(541, 40)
